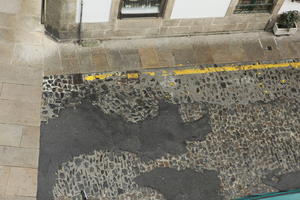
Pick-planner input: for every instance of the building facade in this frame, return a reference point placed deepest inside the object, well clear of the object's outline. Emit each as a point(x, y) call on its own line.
point(111, 19)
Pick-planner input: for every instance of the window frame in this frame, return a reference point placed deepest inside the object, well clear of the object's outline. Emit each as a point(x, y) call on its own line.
point(163, 6)
point(238, 9)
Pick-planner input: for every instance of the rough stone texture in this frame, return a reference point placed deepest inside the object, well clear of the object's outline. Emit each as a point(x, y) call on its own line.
point(192, 112)
point(253, 115)
point(247, 144)
point(137, 99)
point(104, 175)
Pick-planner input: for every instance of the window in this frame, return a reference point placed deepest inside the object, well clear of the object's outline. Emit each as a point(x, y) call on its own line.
point(254, 6)
point(141, 8)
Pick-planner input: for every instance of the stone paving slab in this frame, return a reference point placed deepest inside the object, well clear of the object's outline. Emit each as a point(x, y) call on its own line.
point(30, 38)
point(20, 92)
point(149, 57)
point(6, 53)
point(22, 182)
point(19, 112)
point(21, 74)
point(12, 7)
point(14, 197)
point(19, 136)
point(126, 55)
point(7, 20)
point(7, 35)
point(28, 54)
point(30, 137)
point(19, 157)
point(10, 135)
point(22, 50)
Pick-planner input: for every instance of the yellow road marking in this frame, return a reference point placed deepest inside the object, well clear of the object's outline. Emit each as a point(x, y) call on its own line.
point(100, 76)
point(150, 73)
point(190, 71)
point(165, 73)
point(133, 75)
point(172, 84)
point(295, 65)
point(231, 68)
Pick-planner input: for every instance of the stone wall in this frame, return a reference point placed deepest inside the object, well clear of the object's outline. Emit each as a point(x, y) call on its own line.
point(53, 10)
point(61, 14)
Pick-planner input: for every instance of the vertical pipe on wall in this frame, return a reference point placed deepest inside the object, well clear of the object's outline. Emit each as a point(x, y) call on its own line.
point(43, 11)
point(80, 22)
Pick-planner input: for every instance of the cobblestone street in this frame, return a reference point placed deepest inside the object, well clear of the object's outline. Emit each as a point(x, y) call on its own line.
point(229, 133)
point(118, 119)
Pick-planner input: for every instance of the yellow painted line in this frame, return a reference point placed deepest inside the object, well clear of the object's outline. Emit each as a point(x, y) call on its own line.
point(149, 73)
point(295, 65)
point(100, 76)
point(165, 73)
point(190, 71)
point(172, 84)
point(133, 75)
point(232, 68)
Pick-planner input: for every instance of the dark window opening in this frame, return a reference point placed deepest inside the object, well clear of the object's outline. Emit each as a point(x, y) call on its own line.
point(141, 8)
point(254, 6)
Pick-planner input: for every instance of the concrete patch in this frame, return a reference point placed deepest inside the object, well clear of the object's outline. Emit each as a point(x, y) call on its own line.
point(289, 181)
point(182, 185)
point(86, 129)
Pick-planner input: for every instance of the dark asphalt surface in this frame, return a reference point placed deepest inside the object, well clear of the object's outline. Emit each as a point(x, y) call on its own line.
point(290, 181)
point(182, 185)
point(86, 128)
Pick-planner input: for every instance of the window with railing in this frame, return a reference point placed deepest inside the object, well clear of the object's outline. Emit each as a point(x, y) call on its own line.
point(254, 6)
point(141, 8)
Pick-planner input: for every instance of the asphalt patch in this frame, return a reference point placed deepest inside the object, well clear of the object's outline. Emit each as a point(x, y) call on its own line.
point(290, 181)
point(86, 129)
point(182, 185)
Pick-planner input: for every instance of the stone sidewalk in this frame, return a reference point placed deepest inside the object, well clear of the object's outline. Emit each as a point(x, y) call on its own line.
point(139, 54)
point(21, 71)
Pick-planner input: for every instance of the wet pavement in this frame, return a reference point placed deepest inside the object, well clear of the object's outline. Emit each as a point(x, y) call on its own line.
point(230, 133)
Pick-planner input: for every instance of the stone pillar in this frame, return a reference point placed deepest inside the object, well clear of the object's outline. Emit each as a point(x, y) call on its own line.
point(53, 17)
point(60, 20)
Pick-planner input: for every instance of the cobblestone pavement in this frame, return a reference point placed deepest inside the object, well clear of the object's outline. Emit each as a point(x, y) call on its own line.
point(137, 99)
point(253, 117)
